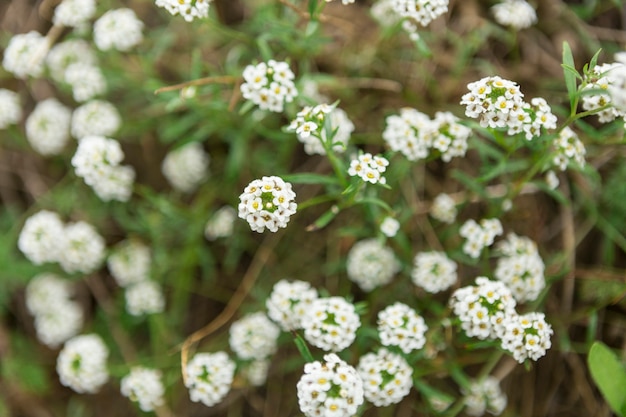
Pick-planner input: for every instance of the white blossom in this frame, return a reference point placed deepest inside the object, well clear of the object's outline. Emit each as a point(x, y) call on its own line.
point(433, 271)
point(254, 336)
point(221, 223)
point(185, 168)
point(95, 118)
point(443, 209)
point(24, 55)
point(144, 386)
point(130, 262)
point(371, 264)
point(48, 127)
point(269, 85)
point(209, 377)
point(66, 53)
point(331, 323)
point(521, 268)
point(400, 325)
point(144, 297)
point(10, 108)
point(86, 80)
point(81, 364)
point(267, 203)
point(74, 13)
point(369, 168)
point(83, 249)
point(517, 14)
point(386, 377)
point(118, 29)
point(289, 302)
point(485, 396)
point(188, 9)
point(527, 336)
point(42, 237)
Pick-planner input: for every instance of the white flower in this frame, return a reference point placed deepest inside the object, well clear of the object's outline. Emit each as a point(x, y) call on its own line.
point(130, 262)
point(267, 203)
point(185, 168)
point(74, 13)
point(515, 13)
point(312, 124)
point(221, 224)
point(144, 386)
point(256, 372)
point(521, 270)
point(83, 249)
point(617, 88)
point(422, 11)
point(527, 336)
point(42, 237)
point(450, 137)
point(269, 85)
point(118, 29)
point(86, 81)
point(483, 308)
point(370, 264)
point(66, 53)
point(444, 209)
point(369, 168)
point(434, 271)
point(209, 377)
point(10, 108)
point(599, 81)
point(568, 150)
point(331, 323)
point(386, 377)
point(81, 364)
point(254, 336)
point(389, 226)
point(24, 55)
point(411, 133)
point(552, 180)
point(330, 388)
point(288, 303)
point(48, 127)
point(484, 396)
point(399, 325)
point(479, 236)
point(188, 9)
point(144, 297)
point(95, 118)
point(384, 13)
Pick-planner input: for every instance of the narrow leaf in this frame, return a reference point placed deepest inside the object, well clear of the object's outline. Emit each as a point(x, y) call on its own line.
point(570, 74)
point(302, 347)
point(310, 178)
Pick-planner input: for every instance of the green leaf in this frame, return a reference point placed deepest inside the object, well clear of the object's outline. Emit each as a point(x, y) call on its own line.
point(570, 74)
point(310, 178)
point(609, 375)
point(303, 348)
point(324, 219)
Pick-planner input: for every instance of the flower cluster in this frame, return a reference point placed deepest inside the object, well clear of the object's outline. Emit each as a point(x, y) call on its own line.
point(331, 323)
point(568, 150)
point(268, 203)
point(221, 224)
point(83, 249)
point(74, 13)
point(617, 88)
point(254, 337)
point(144, 386)
point(389, 226)
point(480, 235)
point(118, 29)
point(485, 396)
point(48, 127)
point(289, 302)
point(330, 388)
point(371, 264)
point(95, 118)
point(188, 9)
point(57, 316)
point(499, 104)
point(415, 135)
point(97, 161)
point(209, 377)
point(145, 297)
point(185, 168)
point(10, 108)
point(399, 325)
point(256, 371)
point(596, 93)
point(369, 168)
point(386, 377)
point(66, 53)
point(24, 55)
point(433, 271)
point(520, 267)
point(443, 209)
point(517, 14)
point(81, 364)
point(269, 85)
point(422, 11)
point(527, 336)
point(483, 308)
point(313, 125)
point(86, 80)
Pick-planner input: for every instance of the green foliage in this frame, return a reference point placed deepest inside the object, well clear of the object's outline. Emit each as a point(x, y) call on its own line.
point(609, 374)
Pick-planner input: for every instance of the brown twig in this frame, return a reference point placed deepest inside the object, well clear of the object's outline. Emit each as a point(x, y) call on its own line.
point(370, 83)
point(226, 79)
point(569, 248)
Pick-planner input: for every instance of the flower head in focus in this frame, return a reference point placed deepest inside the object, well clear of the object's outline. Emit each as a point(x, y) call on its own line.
point(267, 203)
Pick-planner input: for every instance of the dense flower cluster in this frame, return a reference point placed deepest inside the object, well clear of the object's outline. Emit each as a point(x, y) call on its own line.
point(188, 9)
point(97, 161)
point(415, 135)
point(517, 14)
point(254, 336)
point(118, 29)
point(57, 316)
point(443, 209)
point(24, 55)
point(389, 226)
point(209, 377)
point(386, 377)
point(269, 85)
point(596, 93)
point(330, 388)
point(617, 88)
point(422, 11)
point(81, 364)
point(479, 236)
point(41, 237)
point(10, 108)
point(144, 386)
point(256, 371)
point(289, 302)
point(185, 168)
point(268, 202)
point(83, 249)
point(399, 325)
point(568, 150)
point(520, 267)
point(369, 168)
point(221, 224)
point(371, 264)
point(86, 80)
point(433, 271)
point(527, 336)
point(145, 297)
point(331, 323)
point(129, 263)
point(483, 308)
point(499, 104)
point(313, 124)
point(66, 53)
point(74, 13)
point(95, 118)
point(485, 396)
point(48, 127)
